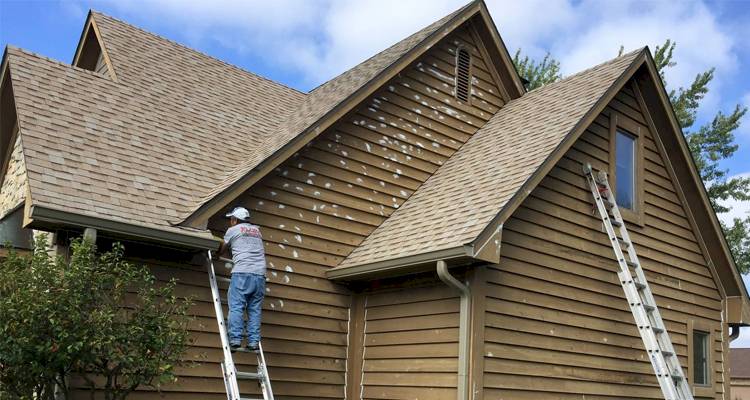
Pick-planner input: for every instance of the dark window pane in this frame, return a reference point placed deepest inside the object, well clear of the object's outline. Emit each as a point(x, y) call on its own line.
point(625, 170)
point(700, 358)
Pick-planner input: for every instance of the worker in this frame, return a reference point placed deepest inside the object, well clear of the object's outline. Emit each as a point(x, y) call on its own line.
point(248, 284)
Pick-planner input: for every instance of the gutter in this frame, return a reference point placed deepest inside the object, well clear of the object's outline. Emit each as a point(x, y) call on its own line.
point(464, 320)
point(202, 240)
point(395, 266)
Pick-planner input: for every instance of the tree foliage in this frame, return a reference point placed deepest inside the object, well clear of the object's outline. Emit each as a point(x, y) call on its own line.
point(95, 318)
point(709, 144)
point(536, 73)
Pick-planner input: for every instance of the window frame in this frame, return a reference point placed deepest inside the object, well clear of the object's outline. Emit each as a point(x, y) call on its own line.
point(701, 390)
point(619, 123)
point(470, 73)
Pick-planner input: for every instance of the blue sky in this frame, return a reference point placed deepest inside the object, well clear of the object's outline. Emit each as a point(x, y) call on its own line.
point(303, 43)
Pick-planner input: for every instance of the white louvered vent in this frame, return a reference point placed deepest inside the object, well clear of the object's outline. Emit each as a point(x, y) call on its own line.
point(463, 78)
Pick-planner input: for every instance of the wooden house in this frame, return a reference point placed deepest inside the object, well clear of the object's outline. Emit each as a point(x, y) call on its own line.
point(428, 228)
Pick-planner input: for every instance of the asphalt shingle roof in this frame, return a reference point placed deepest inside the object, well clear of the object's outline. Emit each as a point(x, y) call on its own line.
point(138, 150)
point(456, 203)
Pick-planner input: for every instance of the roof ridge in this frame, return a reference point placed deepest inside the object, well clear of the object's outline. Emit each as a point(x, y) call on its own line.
point(182, 46)
point(394, 44)
point(584, 71)
point(15, 49)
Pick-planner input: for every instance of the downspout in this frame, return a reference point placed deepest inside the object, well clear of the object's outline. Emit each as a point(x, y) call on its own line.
point(464, 320)
point(734, 333)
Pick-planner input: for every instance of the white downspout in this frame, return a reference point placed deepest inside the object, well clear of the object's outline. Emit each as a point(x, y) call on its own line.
point(464, 319)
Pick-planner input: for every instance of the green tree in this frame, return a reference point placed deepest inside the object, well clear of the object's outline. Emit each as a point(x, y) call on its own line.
point(94, 318)
point(709, 144)
point(537, 74)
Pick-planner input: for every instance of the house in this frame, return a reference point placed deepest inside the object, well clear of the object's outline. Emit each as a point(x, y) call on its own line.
point(740, 373)
point(427, 223)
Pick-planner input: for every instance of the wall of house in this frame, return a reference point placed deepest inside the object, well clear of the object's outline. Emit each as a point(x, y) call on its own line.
point(410, 344)
point(316, 207)
point(13, 187)
point(557, 323)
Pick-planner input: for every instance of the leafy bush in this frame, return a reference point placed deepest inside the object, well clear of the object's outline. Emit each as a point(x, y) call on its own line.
point(95, 319)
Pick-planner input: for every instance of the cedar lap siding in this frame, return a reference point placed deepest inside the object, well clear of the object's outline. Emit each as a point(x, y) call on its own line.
point(549, 320)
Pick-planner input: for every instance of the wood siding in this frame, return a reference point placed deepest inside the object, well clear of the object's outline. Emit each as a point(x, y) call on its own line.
point(557, 323)
point(410, 344)
point(316, 207)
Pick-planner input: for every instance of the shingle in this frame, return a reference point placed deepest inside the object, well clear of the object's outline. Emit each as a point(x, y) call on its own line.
point(456, 203)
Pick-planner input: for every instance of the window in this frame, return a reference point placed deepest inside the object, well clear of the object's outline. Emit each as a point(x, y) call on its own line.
point(625, 169)
point(463, 74)
point(626, 166)
point(700, 358)
point(700, 340)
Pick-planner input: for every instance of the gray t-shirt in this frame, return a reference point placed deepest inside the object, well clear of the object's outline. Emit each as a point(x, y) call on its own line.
point(246, 243)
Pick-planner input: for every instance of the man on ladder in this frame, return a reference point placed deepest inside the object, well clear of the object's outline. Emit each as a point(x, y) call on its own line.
point(248, 284)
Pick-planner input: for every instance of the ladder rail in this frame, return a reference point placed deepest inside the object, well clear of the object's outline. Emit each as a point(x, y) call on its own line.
point(651, 327)
point(265, 381)
point(229, 371)
point(228, 368)
point(665, 345)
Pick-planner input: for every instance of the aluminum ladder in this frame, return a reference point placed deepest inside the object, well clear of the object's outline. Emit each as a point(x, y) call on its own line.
point(654, 333)
point(228, 369)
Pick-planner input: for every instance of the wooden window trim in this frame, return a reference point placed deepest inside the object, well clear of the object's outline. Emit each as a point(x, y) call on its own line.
point(701, 390)
point(617, 122)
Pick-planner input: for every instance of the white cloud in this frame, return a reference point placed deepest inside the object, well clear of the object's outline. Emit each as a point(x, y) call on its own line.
point(328, 36)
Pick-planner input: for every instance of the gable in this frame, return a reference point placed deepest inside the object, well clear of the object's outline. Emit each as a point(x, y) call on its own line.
point(463, 197)
point(328, 103)
point(91, 54)
point(321, 203)
point(556, 218)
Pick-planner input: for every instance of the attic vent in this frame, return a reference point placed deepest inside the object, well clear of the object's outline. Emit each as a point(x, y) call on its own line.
point(463, 78)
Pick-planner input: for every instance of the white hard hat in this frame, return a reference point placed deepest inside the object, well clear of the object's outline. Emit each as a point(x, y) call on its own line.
point(240, 213)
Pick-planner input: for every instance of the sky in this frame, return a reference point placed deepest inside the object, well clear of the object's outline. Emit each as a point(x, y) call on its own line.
point(303, 43)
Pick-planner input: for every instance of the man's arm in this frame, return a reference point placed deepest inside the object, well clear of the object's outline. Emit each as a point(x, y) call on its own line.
point(222, 249)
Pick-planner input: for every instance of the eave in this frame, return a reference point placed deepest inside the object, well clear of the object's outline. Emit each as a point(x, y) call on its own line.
point(51, 218)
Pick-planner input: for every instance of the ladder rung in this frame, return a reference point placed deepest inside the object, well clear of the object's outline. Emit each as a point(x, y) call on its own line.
point(667, 353)
point(248, 398)
point(639, 285)
point(677, 378)
point(615, 222)
point(244, 350)
point(649, 307)
point(656, 329)
point(623, 243)
point(631, 264)
point(248, 375)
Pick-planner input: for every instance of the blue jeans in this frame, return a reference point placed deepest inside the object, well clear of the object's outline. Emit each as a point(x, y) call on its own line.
point(246, 292)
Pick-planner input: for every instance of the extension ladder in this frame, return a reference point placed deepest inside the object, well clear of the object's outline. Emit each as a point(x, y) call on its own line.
point(228, 370)
point(654, 333)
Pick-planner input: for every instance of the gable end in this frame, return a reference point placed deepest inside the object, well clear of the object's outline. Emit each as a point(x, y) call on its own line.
point(91, 53)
